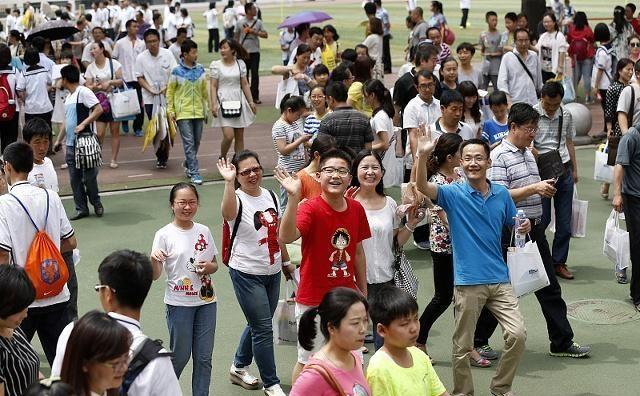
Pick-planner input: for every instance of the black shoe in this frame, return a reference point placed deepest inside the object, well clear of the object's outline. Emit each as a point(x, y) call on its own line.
point(78, 216)
point(99, 209)
point(257, 101)
point(161, 165)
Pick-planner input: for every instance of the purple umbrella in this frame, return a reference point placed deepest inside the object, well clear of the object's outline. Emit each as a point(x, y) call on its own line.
point(304, 17)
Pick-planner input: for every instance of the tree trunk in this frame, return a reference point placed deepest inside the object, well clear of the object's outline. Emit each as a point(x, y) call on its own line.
point(534, 10)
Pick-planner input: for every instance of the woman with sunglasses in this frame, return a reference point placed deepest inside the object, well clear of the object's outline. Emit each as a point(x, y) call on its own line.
point(97, 355)
point(187, 253)
point(255, 264)
point(634, 48)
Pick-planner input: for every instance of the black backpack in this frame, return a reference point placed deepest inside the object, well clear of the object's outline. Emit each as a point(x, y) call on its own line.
point(147, 351)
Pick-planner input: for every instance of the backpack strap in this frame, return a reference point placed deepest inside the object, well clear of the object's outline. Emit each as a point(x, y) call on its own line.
point(147, 351)
point(327, 375)
point(275, 201)
point(236, 224)
point(29, 215)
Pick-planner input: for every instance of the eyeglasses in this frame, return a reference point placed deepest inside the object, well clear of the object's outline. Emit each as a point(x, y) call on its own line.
point(531, 131)
point(314, 97)
point(183, 204)
point(98, 287)
point(477, 159)
point(634, 44)
point(426, 86)
point(122, 364)
point(330, 171)
point(247, 172)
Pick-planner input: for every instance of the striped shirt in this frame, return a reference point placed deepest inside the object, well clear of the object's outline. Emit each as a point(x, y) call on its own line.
point(547, 138)
point(515, 168)
point(295, 160)
point(19, 364)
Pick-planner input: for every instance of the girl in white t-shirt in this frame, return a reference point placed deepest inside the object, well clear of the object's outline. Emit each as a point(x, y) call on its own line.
point(186, 251)
point(373, 41)
point(103, 75)
point(255, 264)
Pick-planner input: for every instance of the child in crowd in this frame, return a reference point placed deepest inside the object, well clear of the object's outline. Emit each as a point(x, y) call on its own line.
point(289, 139)
point(495, 129)
point(37, 134)
point(186, 251)
point(489, 44)
point(399, 368)
point(318, 99)
point(508, 39)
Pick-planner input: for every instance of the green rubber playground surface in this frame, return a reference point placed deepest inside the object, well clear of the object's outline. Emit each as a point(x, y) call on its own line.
point(132, 218)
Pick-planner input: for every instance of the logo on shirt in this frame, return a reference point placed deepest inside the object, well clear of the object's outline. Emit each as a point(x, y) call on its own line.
point(339, 257)
point(269, 220)
point(206, 292)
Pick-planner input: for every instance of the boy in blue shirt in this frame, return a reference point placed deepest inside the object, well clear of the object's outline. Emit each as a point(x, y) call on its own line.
point(495, 129)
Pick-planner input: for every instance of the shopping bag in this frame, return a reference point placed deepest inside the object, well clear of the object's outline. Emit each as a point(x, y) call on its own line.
point(616, 242)
point(526, 269)
point(579, 210)
point(393, 166)
point(569, 91)
point(124, 104)
point(288, 86)
point(285, 329)
point(601, 171)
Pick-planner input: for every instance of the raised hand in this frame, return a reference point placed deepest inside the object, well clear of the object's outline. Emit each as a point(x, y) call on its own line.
point(289, 182)
point(351, 192)
point(227, 170)
point(425, 142)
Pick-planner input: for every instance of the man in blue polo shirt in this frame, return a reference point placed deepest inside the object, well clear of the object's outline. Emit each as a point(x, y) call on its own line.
point(478, 211)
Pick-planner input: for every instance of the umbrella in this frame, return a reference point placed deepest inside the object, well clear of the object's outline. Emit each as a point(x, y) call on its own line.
point(53, 30)
point(304, 17)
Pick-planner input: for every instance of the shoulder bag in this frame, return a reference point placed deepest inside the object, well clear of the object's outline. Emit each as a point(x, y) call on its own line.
point(533, 80)
point(232, 108)
point(550, 164)
point(403, 276)
point(88, 153)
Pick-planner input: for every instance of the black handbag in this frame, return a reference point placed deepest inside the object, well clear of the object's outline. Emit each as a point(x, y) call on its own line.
point(550, 165)
point(232, 108)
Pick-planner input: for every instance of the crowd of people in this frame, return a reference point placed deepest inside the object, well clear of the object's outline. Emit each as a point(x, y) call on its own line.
point(472, 148)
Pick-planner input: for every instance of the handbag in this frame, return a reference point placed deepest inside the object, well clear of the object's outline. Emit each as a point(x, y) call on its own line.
point(403, 276)
point(285, 329)
point(231, 108)
point(550, 165)
point(616, 242)
point(526, 269)
point(601, 171)
point(124, 103)
point(88, 153)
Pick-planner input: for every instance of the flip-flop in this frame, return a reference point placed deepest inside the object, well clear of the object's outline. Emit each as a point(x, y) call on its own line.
point(244, 379)
point(482, 362)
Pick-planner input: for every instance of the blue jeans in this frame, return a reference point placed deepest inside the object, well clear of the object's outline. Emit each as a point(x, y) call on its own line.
point(191, 332)
point(84, 183)
point(258, 298)
point(562, 203)
point(583, 70)
point(191, 133)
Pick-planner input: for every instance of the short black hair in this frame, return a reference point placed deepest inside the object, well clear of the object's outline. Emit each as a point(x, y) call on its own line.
point(338, 91)
point(512, 16)
point(466, 46)
point(336, 153)
point(16, 290)
point(5, 55)
point(498, 98)
point(349, 54)
point(36, 127)
point(423, 52)
point(369, 8)
point(391, 303)
point(518, 30)
point(631, 6)
point(430, 29)
point(129, 22)
point(488, 14)
point(480, 142)
point(522, 113)
point(38, 43)
point(20, 156)
point(552, 89)
point(451, 96)
point(181, 31)
point(70, 73)
point(320, 69)
point(315, 30)
point(424, 73)
point(31, 56)
point(130, 274)
point(187, 46)
point(151, 32)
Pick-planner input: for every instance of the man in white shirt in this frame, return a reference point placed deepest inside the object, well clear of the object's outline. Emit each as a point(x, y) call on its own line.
point(126, 51)
point(451, 106)
point(153, 68)
point(175, 47)
point(212, 25)
point(125, 278)
point(49, 315)
point(170, 24)
point(98, 35)
point(520, 75)
point(125, 13)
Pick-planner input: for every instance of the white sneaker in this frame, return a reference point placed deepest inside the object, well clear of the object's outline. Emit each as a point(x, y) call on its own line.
point(274, 390)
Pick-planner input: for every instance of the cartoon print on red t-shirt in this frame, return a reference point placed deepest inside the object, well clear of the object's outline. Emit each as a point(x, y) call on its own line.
point(206, 290)
point(269, 220)
point(339, 258)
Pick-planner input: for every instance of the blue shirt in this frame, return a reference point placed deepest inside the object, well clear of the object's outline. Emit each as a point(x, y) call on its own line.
point(476, 225)
point(84, 96)
point(493, 131)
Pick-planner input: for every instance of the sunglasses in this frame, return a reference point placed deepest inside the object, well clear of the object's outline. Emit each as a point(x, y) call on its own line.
point(247, 172)
point(635, 44)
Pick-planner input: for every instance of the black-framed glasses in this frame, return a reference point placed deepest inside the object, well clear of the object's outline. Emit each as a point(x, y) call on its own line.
point(330, 171)
point(247, 172)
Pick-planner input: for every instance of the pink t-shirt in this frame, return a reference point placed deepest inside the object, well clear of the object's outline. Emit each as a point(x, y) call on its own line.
point(311, 383)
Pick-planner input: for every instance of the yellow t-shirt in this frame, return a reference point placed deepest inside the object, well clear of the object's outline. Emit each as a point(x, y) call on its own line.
point(357, 99)
point(386, 378)
point(329, 58)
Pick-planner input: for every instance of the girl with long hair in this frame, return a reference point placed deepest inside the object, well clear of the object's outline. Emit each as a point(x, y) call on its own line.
point(471, 113)
point(361, 71)
point(582, 50)
point(300, 71)
point(373, 41)
point(448, 74)
point(552, 48)
point(620, 30)
point(603, 67)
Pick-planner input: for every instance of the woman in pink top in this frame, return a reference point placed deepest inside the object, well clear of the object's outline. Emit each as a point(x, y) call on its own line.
point(336, 368)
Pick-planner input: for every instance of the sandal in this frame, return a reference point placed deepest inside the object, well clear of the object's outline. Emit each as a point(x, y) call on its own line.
point(482, 362)
point(621, 277)
point(243, 378)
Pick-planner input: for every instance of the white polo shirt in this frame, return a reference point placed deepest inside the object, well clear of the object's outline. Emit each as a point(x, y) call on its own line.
point(35, 85)
point(157, 378)
point(156, 70)
point(418, 111)
point(126, 52)
point(17, 231)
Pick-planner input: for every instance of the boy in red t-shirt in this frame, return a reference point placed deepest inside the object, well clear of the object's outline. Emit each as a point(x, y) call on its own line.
point(332, 228)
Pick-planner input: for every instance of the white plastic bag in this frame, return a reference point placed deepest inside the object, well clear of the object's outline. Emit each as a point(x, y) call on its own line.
point(287, 86)
point(569, 91)
point(526, 269)
point(393, 166)
point(579, 210)
point(601, 171)
point(616, 242)
point(285, 329)
point(124, 103)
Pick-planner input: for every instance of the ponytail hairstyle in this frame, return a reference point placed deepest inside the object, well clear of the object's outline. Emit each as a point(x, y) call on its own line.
point(382, 94)
point(321, 144)
point(292, 102)
point(467, 89)
point(106, 53)
point(333, 308)
point(448, 144)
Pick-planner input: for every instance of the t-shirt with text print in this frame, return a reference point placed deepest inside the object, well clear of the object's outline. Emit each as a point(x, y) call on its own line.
point(185, 249)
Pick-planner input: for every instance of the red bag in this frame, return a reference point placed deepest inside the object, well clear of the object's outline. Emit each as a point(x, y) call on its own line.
point(45, 266)
point(579, 48)
point(7, 101)
point(228, 236)
point(449, 36)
